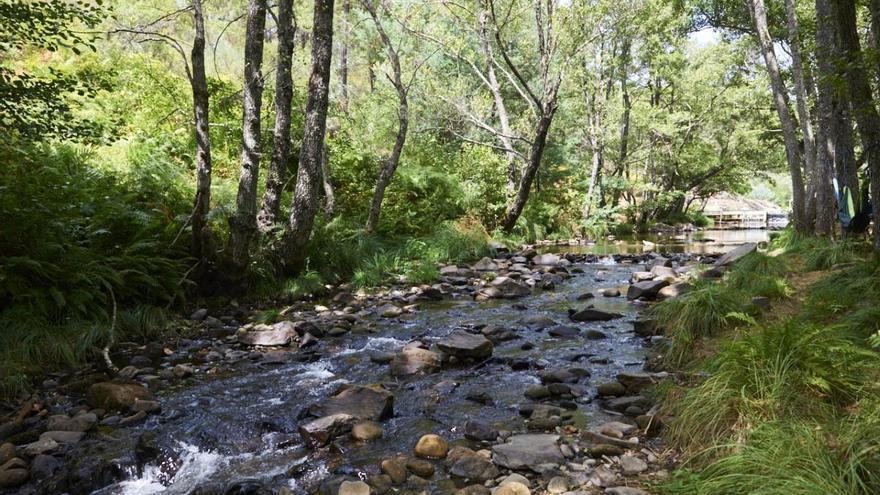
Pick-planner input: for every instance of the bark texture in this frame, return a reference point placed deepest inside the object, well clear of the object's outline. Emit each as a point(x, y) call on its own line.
point(861, 98)
point(277, 173)
point(243, 225)
point(199, 83)
point(780, 99)
point(305, 198)
point(829, 142)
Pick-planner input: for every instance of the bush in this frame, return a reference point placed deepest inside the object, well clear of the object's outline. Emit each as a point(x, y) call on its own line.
point(761, 275)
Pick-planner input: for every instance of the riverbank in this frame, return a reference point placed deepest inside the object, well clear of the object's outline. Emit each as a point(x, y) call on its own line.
point(780, 396)
point(487, 355)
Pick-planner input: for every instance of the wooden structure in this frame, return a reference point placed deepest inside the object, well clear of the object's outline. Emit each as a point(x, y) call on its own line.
point(737, 212)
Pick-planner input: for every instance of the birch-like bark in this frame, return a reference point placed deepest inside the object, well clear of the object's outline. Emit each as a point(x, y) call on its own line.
point(199, 83)
point(243, 225)
point(803, 111)
point(277, 173)
point(305, 198)
point(326, 181)
point(780, 99)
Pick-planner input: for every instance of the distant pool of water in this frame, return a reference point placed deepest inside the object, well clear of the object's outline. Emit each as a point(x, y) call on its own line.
point(701, 242)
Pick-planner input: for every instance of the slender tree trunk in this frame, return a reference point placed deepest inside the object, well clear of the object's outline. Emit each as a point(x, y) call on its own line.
point(623, 155)
point(329, 195)
point(305, 198)
point(862, 99)
point(243, 225)
point(200, 232)
point(803, 111)
point(827, 132)
point(390, 165)
point(874, 8)
point(536, 152)
point(277, 172)
point(780, 98)
point(500, 106)
point(343, 56)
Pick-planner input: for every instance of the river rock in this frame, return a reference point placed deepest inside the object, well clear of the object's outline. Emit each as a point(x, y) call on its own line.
point(563, 332)
point(617, 429)
point(354, 488)
point(610, 292)
point(673, 291)
point(466, 345)
point(625, 490)
point(512, 488)
point(479, 431)
point(116, 396)
point(420, 467)
point(474, 467)
point(528, 451)
point(632, 464)
point(432, 446)
point(414, 360)
point(13, 477)
point(474, 490)
point(321, 431)
point(279, 334)
point(7, 452)
point(361, 402)
point(44, 466)
point(395, 469)
point(63, 437)
point(736, 254)
point(604, 449)
point(592, 314)
point(485, 265)
point(538, 322)
point(635, 382)
point(366, 431)
point(645, 327)
point(558, 484)
point(647, 289)
point(503, 288)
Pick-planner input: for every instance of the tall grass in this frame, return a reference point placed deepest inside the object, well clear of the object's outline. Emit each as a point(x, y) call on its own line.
point(767, 374)
point(761, 275)
point(702, 312)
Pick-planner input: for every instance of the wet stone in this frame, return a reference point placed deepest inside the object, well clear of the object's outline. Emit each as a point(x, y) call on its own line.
point(420, 467)
point(366, 431)
point(432, 447)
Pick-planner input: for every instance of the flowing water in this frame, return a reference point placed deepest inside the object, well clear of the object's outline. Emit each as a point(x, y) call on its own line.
point(239, 428)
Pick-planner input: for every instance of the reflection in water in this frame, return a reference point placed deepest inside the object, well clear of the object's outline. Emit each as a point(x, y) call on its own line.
point(702, 242)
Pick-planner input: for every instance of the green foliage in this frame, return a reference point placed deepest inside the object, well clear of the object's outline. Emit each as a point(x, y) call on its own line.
point(767, 374)
point(761, 275)
point(704, 311)
point(824, 254)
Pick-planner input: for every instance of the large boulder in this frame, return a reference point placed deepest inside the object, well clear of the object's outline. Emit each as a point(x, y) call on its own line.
point(528, 451)
point(115, 396)
point(361, 402)
point(415, 360)
point(592, 314)
point(485, 265)
point(735, 254)
point(462, 344)
point(279, 334)
point(474, 467)
point(647, 289)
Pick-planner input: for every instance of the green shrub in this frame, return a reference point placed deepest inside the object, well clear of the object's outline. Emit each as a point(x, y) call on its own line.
point(824, 254)
point(761, 275)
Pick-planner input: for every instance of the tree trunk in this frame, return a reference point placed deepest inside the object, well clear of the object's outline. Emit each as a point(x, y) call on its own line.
point(536, 152)
point(623, 154)
point(343, 55)
point(305, 198)
point(500, 106)
point(861, 98)
point(390, 165)
point(874, 8)
point(199, 82)
point(827, 132)
point(780, 98)
point(329, 195)
point(243, 225)
point(803, 111)
point(277, 173)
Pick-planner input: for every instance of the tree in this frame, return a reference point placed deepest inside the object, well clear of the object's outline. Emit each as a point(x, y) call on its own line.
point(861, 97)
point(243, 224)
point(277, 172)
point(305, 197)
point(386, 172)
point(199, 84)
point(780, 99)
